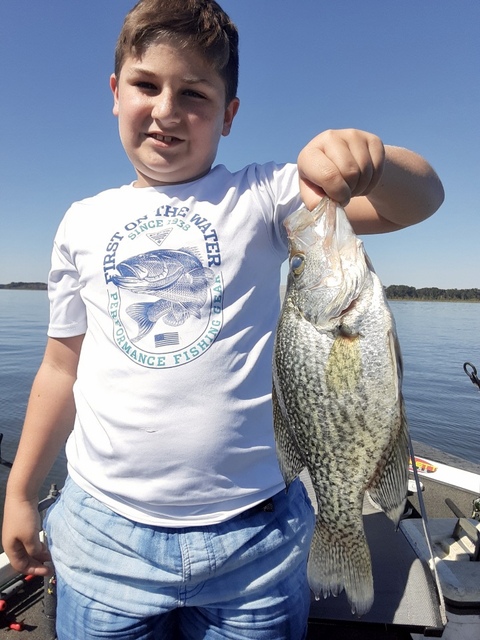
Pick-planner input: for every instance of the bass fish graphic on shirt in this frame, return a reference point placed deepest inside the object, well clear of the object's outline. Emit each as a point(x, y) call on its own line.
point(176, 277)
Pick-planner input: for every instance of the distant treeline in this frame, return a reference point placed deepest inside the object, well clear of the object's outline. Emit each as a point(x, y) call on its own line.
point(404, 292)
point(36, 286)
point(394, 292)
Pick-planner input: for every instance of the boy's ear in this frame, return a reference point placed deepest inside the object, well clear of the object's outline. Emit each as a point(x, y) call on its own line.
point(114, 88)
point(230, 113)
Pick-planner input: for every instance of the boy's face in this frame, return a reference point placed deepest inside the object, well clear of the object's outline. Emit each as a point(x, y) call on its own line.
point(171, 112)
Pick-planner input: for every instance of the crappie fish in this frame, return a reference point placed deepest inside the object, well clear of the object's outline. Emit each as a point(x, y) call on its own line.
point(337, 398)
point(176, 277)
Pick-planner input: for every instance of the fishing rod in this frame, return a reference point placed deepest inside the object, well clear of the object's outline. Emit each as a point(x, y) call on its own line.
point(471, 372)
point(5, 463)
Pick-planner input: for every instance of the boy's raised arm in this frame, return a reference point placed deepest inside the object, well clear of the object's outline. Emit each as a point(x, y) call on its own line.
point(48, 422)
point(384, 188)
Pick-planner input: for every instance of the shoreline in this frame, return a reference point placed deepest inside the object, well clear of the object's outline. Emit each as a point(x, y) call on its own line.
point(283, 288)
point(24, 286)
point(454, 300)
point(42, 286)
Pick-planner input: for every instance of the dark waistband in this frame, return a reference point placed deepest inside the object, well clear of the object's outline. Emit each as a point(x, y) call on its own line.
point(267, 506)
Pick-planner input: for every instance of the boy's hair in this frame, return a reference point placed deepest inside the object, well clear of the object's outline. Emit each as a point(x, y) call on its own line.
point(198, 24)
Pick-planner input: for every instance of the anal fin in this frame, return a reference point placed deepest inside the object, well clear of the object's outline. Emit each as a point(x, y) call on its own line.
point(390, 492)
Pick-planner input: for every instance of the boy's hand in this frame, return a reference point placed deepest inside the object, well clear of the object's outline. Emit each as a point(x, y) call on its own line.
point(21, 542)
point(340, 164)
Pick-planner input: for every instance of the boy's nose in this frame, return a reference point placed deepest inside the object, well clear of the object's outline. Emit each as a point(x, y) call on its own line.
point(165, 108)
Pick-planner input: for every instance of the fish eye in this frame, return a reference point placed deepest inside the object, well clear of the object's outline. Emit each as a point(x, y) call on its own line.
point(297, 264)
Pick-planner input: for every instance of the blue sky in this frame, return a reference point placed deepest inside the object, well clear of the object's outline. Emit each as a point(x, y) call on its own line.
point(406, 70)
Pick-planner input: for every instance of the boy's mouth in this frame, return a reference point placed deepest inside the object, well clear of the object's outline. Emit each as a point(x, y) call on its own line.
point(162, 138)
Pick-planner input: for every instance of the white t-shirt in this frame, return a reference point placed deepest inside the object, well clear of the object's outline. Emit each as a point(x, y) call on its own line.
point(176, 289)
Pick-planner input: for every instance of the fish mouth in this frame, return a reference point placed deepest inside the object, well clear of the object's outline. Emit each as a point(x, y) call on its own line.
point(304, 219)
point(138, 277)
point(298, 222)
point(132, 271)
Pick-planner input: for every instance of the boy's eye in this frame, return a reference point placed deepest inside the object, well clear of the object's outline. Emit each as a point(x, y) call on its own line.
point(148, 86)
point(193, 94)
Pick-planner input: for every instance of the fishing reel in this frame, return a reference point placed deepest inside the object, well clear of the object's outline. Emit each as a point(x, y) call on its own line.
point(476, 509)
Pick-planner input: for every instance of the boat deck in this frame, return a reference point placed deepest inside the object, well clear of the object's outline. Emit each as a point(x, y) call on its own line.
point(27, 608)
point(403, 584)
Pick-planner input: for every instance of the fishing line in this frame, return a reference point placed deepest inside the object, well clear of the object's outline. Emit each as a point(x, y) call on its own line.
point(426, 530)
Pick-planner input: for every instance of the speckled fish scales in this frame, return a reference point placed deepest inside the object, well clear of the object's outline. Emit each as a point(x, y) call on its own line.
point(337, 399)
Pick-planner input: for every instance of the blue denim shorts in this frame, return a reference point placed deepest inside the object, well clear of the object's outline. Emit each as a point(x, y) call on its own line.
point(243, 578)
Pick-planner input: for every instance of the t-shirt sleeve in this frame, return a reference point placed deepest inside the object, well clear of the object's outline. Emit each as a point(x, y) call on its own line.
point(278, 188)
point(68, 316)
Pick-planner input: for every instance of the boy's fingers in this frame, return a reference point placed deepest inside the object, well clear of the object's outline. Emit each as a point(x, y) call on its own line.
point(32, 567)
point(311, 194)
point(31, 559)
point(345, 163)
point(315, 169)
point(375, 164)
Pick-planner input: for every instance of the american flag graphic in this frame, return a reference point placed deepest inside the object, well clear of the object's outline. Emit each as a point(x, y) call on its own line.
point(166, 339)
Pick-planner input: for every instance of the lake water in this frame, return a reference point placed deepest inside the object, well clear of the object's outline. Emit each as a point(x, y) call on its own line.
point(443, 405)
point(23, 323)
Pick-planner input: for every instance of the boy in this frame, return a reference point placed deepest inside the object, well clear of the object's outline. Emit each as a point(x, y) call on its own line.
point(164, 300)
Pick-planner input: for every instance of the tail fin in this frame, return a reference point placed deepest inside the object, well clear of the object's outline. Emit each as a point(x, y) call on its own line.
point(141, 312)
point(338, 563)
